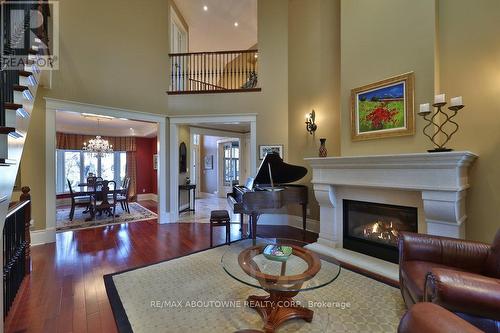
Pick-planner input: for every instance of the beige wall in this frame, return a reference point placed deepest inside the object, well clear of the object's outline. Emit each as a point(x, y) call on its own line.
point(470, 67)
point(313, 81)
point(110, 54)
point(380, 39)
point(121, 60)
point(208, 178)
point(458, 56)
point(271, 104)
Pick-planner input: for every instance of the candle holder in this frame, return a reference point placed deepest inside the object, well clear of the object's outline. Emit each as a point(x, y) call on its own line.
point(448, 116)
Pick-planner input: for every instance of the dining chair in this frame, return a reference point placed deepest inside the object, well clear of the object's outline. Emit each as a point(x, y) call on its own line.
point(104, 198)
point(91, 180)
point(123, 196)
point(77, 201)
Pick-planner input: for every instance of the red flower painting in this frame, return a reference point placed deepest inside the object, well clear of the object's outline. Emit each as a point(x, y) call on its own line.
point(381, 115)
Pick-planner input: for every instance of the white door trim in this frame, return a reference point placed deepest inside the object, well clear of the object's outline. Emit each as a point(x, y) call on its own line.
point(53, 105)
point(175, 121)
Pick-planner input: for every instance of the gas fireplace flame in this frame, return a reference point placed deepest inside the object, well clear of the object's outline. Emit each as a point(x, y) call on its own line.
point(381, 231)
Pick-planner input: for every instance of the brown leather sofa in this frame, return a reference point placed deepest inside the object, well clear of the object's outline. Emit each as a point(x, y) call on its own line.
point(431, 318)
point(461, 276)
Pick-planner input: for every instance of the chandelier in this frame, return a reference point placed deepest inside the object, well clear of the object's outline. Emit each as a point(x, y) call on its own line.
point(98, 146)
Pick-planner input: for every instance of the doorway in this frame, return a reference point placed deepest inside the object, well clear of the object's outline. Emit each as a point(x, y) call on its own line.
point(229, 165)
point(207, 163)
point(53, 106)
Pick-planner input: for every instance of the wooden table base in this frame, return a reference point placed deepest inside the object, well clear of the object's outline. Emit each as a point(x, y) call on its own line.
point(277, 308)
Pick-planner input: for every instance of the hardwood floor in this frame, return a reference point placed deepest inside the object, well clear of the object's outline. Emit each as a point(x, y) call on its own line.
point(65, 291)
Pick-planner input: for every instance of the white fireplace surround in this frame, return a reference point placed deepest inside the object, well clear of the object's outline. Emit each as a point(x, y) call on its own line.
point(435, 183)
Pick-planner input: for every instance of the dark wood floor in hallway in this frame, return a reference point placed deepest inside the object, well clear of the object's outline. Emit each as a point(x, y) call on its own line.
point(65, 291)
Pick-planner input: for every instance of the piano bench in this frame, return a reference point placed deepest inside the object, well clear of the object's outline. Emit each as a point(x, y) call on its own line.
point(219, 218)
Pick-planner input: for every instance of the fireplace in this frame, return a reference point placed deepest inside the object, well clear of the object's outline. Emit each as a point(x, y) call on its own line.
point(373, 228)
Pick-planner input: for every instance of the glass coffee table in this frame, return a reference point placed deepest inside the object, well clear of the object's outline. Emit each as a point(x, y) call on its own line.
point(268, 264)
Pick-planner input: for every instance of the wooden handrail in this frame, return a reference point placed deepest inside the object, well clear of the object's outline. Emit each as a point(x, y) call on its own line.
point(213, 52)
point(16, 206)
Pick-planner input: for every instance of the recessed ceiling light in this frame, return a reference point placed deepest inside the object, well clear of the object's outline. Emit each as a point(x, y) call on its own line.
point(205, 8)
point(236, 24)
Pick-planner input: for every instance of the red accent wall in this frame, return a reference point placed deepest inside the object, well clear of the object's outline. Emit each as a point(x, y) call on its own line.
point(146, 176)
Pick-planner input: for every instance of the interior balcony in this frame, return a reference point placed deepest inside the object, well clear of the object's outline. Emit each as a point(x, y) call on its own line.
point(214, 72)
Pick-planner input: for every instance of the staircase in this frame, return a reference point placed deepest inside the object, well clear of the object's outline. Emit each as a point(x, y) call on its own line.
point(18, 88)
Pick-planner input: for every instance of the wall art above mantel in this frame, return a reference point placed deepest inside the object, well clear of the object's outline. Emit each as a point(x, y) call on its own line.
point(383, 109)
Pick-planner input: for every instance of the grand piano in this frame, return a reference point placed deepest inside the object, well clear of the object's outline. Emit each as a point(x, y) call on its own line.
point(269, 191)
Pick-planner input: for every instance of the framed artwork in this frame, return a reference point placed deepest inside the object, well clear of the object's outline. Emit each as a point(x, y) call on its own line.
point(155, 162)
point(383, 109)
point(182, 158)
point(266, 149)
point(208, 162)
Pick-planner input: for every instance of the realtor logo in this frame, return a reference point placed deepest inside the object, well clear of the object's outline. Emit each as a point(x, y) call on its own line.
point(29, 35)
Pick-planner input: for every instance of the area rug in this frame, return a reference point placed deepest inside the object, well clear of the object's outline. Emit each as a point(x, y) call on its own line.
point(137, 213)
point(194, 294)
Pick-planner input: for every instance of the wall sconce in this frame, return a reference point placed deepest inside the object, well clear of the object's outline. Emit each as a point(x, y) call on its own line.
point(310, 124)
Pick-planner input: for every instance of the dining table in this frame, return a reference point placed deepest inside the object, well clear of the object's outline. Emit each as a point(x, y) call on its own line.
point(88, 189)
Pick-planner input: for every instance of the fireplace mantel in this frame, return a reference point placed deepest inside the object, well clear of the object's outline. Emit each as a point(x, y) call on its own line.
point(439, 179)
point(423, 171)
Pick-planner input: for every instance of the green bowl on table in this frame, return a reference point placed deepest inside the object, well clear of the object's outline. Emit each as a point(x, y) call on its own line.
point(277, 252)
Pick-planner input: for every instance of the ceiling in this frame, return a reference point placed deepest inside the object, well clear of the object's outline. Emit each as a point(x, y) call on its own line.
point(75, 123)
point(228, 127)
point(214, 30)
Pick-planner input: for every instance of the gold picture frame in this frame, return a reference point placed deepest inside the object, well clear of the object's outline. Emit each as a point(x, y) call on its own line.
point(383, 109)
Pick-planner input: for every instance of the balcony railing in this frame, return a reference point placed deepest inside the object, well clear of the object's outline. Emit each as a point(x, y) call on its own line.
point(214, 72)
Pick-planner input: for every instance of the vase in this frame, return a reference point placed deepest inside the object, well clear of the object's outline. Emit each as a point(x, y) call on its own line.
point(323, 152)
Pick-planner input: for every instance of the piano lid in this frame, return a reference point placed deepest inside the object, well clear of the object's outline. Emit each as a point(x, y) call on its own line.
point(282, 172)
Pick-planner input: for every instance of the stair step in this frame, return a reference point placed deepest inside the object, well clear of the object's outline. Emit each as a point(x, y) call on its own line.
point(29, 76)
point(22, 92)
point(7, 162)
point(13, 106)
point(18, 87)
point(25, 73)
point(6, 130)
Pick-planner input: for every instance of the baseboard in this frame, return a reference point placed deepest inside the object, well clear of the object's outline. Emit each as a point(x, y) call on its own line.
point(44, 236)
point(147, 196)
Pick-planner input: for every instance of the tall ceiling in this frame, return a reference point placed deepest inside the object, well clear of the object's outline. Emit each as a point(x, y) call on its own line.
point(75, 123)
point(214, 30)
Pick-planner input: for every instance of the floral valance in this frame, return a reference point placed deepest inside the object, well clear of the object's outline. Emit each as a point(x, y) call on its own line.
point(75, 141)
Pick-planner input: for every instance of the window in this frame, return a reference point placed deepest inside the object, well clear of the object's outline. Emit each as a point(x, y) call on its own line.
point(75, 166)
point(231, 163)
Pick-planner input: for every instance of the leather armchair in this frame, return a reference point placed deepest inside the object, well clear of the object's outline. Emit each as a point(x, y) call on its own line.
point(431, 318)
point(462, 276)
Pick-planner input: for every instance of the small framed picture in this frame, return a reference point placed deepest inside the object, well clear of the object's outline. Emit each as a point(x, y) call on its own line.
point(155, 162)
point(266, 149)
point(208, 162)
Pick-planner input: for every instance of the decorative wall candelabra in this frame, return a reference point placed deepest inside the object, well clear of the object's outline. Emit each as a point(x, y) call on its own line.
point(441, 126)
point(311, 122)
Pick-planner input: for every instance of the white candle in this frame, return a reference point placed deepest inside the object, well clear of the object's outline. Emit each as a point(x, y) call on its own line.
point(440, 98)
point(456, 101)
point(425, 108)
